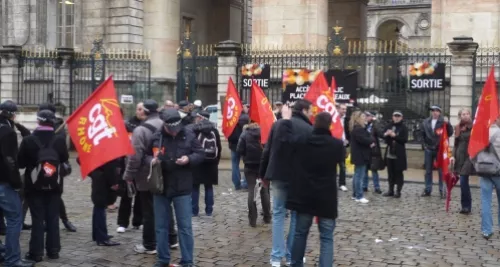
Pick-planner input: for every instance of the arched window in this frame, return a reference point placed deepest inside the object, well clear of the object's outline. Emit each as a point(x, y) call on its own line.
point(65, 23)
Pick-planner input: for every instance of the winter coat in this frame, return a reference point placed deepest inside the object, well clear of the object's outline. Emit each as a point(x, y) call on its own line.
point(376, 162)
point(22, 130)
point(9, 168)
point(397, 143)
point(249, 146)
point(132, 123)
point(361, 140)
point(277, 154)
point(178, 179)
point(238, 130)
point(208, 171)
point(463, 164)
point(103, 178)
point(28, 155)
point(137, 167)
point(429, 136)
point(313, 185)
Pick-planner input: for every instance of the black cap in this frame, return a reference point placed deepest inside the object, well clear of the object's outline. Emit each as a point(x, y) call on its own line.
point(183, 103)
point(150, 106)
point(47, 106)
point(203, 114)
point(46, 117)
point(370, 113)
point(435, 107)
point(172, 119)
point(8, 108)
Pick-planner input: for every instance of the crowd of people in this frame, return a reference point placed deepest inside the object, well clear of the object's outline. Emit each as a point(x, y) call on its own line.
point(301, 168)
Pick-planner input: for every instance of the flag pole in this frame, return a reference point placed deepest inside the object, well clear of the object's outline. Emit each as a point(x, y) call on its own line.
point(60, 127)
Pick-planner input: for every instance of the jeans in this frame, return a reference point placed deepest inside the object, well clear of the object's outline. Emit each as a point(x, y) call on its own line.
point(10, 203)
point(238, 181)
point(375, 177)
point(44, 209)
point(99, 226)
point(325, 227)
point(251, 175)
point(162, 209)
point(209, 198)
point(487, 185)
point(126, 209)
point(429, 158)
point(278, 251)
point(357, 181)
point(465, 197)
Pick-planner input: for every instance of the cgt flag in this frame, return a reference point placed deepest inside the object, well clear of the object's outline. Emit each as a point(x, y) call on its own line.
point(97, 129)
point(261, 112)
point(231, 109)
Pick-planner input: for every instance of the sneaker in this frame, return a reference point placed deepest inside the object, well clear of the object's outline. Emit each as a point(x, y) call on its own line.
point(121, 230)
point(343, 188)
point(487, 236)
point(275, 264)
point(142, 250)
point(362, 201)
point(353, 198)
point(174, 246)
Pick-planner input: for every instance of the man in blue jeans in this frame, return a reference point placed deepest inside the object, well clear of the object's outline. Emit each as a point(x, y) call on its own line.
point(238, 181)
point(275, 166)
point(10, 184)
point(179, 151)
point(432, 128)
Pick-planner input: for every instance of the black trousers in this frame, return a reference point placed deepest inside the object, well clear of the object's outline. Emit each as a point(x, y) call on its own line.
point(44, 208)
point(126, 209)
point(62, 211)
point(99, 226)
point(251, 176)
point(395, 175)
point(342, 172)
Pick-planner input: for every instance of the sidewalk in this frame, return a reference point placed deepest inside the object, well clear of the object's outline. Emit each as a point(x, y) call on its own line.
point(411, 175)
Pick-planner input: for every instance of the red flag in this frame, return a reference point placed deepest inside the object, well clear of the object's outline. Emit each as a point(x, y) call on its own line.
point(261, 111)
point(231, 109)
point(323, 99)
point(97, 129)
point(444, 153)
point(486, 114)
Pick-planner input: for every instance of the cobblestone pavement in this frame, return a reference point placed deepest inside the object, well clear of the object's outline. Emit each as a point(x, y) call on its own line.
point(412, 231)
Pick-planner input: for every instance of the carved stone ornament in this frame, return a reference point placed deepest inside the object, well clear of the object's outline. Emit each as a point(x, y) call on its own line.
point(9, 52)
point(423, 22)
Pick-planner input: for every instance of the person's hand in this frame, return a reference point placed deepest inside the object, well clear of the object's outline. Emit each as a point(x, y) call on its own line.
point(286, 112)
point(372, 145)
point(129, 182)
point(265, 183)
point(452, 160)
point(388, 132)
point(155, 161)
point(114, 187)
point(392, 134)
point(182, 160)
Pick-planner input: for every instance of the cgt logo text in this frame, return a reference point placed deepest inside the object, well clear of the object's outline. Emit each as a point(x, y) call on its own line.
point(96, 127)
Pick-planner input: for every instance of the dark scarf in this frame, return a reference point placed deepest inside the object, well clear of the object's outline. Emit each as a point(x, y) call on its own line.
point(463, 126)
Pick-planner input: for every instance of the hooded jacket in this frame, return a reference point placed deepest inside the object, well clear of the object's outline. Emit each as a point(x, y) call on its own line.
point(430, 136)
point(208, 171)
point(238, 130)
point(8, 155)
point(249, 146)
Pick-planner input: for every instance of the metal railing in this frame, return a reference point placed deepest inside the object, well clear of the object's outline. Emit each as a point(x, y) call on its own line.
point(398, 2)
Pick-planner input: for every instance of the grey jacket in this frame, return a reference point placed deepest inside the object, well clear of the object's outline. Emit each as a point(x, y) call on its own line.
point(137, 165)
point(495, 142)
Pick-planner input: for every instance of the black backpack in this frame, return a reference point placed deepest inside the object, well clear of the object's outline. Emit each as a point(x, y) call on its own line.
point(45, 175)
point(208, 142)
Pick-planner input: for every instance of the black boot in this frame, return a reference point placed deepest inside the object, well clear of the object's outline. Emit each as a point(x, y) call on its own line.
point(398, 191)
point(390, 193)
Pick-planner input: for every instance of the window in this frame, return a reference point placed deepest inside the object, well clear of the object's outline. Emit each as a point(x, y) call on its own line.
point(65, 23)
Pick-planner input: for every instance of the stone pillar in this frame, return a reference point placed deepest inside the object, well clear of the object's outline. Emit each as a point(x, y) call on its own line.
point(9, 86)
point(65, 57)
point(351, 15)
point(293, 23)
point(162, 36)
point(463, 49)
point(125, 29)
point(94, 21)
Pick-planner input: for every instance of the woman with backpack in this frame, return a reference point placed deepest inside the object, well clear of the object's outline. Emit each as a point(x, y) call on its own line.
point(250, 148)
point(207, 173)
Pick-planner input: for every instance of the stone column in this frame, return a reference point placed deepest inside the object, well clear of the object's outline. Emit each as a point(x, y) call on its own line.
point(9, 86)
point(463, 49)
point(65, 57)
point(227, 67)
point(162, 36)
point(125, 29)
point(293, 23)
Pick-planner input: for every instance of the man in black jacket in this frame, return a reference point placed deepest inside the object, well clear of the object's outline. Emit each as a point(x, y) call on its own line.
point(275, 166)
point(10, 183)
point(432, 128)
point(238, 181)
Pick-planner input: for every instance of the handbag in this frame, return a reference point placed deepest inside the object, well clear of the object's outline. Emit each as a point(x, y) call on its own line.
point(487, 163)
point(377, 164)
point(155, 177)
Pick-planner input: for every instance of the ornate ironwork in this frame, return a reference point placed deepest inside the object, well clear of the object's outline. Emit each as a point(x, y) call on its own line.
point(336, 42)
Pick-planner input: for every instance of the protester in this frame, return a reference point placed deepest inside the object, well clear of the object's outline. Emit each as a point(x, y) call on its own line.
point(42, 154)
point(239, 182)
point(185, 112)
point(376, 161)
point(396, 136)
point(10, 182)
point(431, 132)
point(250, 148)
point(278, 105)
point(313, 187)
point(361, 144)
point(59, 125)
point(207, 173)
point(342, 110)
point(169, 104)
point(275, 166)
point(137, 171)
point(126, 208)
point(461, 161)
point(197, 108)
point(181, 152)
